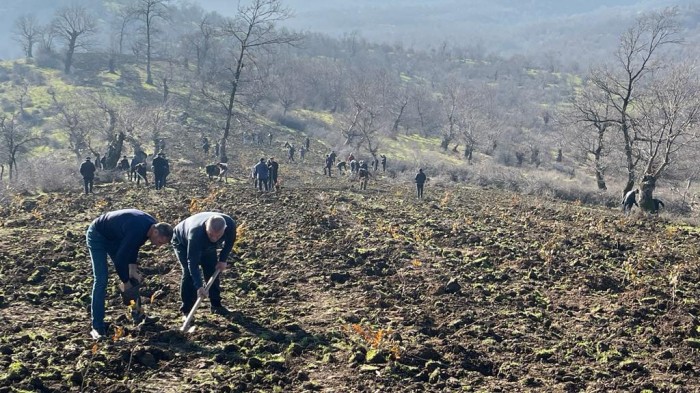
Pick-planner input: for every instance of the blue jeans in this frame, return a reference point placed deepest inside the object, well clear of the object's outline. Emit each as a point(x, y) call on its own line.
point(99, 248)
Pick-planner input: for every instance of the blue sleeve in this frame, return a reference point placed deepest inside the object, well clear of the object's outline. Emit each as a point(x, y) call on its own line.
point(127, 254)
point(194, 255)
point(229, 239)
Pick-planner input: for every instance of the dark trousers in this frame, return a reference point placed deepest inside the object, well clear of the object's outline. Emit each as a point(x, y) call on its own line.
point(160, 180)
point(262, 184)
point(87, 182)
point(188, 293)
point(419, 188)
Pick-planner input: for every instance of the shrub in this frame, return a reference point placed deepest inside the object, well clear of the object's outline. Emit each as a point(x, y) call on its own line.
point(292, 122)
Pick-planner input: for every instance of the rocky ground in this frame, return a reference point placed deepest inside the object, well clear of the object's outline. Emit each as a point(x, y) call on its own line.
point(341, 290)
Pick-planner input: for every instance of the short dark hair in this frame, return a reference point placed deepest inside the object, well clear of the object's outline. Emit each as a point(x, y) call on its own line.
point(164, 229)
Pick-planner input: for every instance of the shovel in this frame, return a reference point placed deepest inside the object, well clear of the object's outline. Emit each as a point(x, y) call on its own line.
point(188, 321)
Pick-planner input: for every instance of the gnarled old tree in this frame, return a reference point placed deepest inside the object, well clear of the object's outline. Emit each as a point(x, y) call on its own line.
point(667, 127)
point(253, 29)
point(637, 57)
point(73, 25)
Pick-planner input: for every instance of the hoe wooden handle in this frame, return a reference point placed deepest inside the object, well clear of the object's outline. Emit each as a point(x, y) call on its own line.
point(190, 316)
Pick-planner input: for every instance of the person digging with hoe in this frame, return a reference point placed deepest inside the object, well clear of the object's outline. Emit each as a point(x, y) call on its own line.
point(120, 234)
point(195, 243)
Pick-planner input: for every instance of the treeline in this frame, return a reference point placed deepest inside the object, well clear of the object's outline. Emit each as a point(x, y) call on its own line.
point(212, 76)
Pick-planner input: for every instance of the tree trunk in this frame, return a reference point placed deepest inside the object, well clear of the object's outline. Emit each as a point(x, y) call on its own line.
point(646, 199)
point(149, 78)
point(114, 151)
point(69, 55)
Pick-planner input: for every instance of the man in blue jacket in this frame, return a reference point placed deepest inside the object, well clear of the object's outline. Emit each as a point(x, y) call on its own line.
point(195, 242)
point(119, 234)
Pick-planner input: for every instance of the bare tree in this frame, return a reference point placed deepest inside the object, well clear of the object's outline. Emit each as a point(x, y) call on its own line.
point(667, 127)
point(148, 11)
point(27, 33)
point(251, 30)
point(73, 24)
point(71, 120)
point(590, 114)
point(15, 136)
point(636, 58)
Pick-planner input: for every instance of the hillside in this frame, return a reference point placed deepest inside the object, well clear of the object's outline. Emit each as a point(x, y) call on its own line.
point(337, 289)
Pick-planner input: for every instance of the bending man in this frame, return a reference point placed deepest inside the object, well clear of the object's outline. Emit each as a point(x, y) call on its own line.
point(119, 234)
point(195, 242)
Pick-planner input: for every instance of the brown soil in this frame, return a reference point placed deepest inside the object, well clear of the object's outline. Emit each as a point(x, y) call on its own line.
point(341, 290)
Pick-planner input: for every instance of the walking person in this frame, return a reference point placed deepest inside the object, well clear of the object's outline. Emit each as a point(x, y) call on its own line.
point(161, 168)
point(420, 182)
point(87, 170)
point(119, 234)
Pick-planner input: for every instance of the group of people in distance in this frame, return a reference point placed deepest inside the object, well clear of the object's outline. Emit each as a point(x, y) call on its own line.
point(120, 234)
point(137, 170)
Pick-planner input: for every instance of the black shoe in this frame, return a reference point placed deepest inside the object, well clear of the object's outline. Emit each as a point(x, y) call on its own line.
point(220, 310)
point(98, 334)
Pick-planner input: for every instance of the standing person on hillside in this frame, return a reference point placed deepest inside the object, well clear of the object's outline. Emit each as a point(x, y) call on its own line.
point(383, 162)
point(364, 175)
point(375, 164)
point(195, 241)
point(205, 145)
point(261, 173)
point(87, 170)
point(328, 165)
point(141, 173)
point(420, 182)
point(273, 168)
point(307, 143)
point(119, 234)
point(302, 152)
point(161, 167)
point(291, 151)
point(333, 156)
point(124, 164)
point(217, 148)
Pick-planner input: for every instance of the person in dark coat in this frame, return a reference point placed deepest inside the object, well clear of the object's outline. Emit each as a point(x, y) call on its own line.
point(328, 165)
point(87, 170)
point(420, 182)
point(161, 168)
point(124, 164)
point(119, 234)
point(307, 143)
point(261, 173)
point(141, 173)
point(195, 241)
point(342, 166)
point(383, 162)
point(273, 168)
point(133, 175)
point(363, 173)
